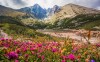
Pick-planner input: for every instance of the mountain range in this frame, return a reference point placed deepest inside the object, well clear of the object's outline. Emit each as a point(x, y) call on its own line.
point(57, 12)
point(67, 16)
point(72, 10)
point(40, 12)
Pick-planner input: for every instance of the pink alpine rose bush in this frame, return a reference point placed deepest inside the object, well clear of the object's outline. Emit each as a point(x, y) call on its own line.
point(48, 51)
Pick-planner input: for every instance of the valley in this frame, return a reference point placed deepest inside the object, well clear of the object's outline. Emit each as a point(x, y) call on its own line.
point(69, 33)
point(76, 35)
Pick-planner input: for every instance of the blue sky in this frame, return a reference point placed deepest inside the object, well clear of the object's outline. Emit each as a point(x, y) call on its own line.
point(16, 4)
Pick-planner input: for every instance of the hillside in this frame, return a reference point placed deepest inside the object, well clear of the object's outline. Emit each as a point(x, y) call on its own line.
point(5, 11)
point(17, 23)
point(8, 15)
point(86, 21)
point(16, 28)
point(72, 10)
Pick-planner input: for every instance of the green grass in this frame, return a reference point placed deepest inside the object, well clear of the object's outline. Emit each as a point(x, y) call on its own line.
point(91, 25)
point(88, 21)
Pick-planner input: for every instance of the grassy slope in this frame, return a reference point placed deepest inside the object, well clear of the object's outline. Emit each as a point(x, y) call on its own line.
point(80, 21)
point(5, 11)
point(15, 26)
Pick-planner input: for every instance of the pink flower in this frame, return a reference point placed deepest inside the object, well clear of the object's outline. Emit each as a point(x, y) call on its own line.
point(63, 61)
point(98, 45)
point(32, 49)
point(2, 39)
point(64, 57)
point(16, 60)
point(75, 49)
point(12, 55)
point(6, 45)
point(17, 51)
point(71, 57)
point(54, 49)
point(6, 39)
point(39, 56)
point(42, 57)
point(39, 45)
point(40, 50)
point(33, 52)
point(26, 55)
point(24, 49)
point(10, 39)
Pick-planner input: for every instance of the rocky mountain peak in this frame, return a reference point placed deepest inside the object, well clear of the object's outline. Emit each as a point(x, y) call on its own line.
point(72, 10)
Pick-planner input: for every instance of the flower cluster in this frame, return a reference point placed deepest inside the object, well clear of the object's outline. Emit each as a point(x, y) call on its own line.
point(16, 51)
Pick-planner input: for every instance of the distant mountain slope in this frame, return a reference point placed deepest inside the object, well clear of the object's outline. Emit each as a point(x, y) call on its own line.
point(35, 10)
point(39, 12)
point(5, 11)
point(72, 10)
point(51, 11)
point(8, 15)
point(83, 21)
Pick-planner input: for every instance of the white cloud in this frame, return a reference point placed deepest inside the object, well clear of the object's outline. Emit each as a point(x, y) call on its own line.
point(48, 3)
point(98, 8)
